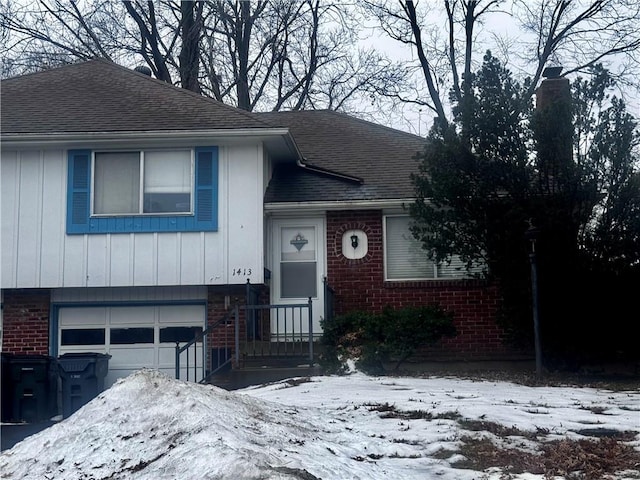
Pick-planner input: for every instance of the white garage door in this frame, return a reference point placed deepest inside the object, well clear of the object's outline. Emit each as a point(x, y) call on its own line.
point(134, 336)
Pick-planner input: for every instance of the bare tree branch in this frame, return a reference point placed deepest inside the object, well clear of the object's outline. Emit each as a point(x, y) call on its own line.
point(410, 10)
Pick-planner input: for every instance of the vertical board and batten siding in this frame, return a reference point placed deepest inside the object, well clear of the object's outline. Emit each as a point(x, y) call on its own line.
point(245, 230)
point(37, 252)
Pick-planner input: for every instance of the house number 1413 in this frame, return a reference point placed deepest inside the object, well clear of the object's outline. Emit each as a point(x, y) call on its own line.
point(237, 272)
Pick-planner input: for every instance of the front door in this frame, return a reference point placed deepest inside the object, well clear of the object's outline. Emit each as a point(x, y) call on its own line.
point(298, 269)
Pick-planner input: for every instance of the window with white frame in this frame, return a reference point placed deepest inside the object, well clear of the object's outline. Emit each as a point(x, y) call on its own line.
point(137, 190)
point(142, 182)
point(406, 260)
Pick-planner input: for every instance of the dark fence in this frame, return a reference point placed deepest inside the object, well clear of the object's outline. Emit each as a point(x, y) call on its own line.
point(211, 351)
point(279, 330)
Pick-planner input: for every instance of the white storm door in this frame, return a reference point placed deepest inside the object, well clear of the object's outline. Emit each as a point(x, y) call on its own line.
point(299, 266)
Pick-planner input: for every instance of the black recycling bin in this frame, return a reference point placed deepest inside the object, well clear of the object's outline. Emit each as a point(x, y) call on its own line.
point(82, 378)
point(29, 388)
point(6, 390)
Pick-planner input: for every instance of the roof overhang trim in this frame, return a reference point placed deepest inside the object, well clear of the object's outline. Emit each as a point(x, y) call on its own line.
point(160, 136)
point(381, 204)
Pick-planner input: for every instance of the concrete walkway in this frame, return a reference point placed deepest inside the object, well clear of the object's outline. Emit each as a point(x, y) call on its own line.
point(12, 433)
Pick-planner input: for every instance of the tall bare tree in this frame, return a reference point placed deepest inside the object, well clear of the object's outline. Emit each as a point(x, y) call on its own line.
point(449, 36)
point(44, 34)
point(281, 54)
point(267, 54)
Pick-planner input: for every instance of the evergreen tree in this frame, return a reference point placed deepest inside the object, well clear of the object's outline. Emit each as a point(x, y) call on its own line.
point(499, 168)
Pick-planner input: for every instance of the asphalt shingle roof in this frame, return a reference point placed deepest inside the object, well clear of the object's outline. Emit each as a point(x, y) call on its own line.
point(382, 157)
point(100, 96)
point(291, 183)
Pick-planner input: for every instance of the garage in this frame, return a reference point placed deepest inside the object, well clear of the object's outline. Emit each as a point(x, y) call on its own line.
point(135, 336)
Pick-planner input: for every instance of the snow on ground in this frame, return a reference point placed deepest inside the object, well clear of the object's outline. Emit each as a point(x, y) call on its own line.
point(149, 426)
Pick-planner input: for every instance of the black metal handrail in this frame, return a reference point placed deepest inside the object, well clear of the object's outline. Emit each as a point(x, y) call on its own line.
point(271, 331)
point(285, 332)
point(230, 319)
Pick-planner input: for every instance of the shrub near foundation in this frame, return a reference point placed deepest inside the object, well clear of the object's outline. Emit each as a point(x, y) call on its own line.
point(375, 339)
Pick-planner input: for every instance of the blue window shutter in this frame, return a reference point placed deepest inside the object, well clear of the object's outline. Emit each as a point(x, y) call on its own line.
point(206, 194)
point(205, 216)
point(78, 191)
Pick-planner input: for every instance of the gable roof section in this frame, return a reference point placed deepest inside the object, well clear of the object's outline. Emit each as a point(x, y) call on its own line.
point(354, 160)
point(100, 96)
point(382, 157)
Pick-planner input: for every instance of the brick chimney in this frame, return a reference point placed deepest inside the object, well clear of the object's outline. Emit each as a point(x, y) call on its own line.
point(553, 88)
point(554, 128)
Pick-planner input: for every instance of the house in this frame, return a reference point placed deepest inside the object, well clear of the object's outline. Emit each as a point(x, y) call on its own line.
point(135, 214)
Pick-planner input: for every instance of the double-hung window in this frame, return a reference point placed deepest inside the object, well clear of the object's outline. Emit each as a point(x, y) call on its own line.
point(122, 191)
point(406, 260)
point(142, 182)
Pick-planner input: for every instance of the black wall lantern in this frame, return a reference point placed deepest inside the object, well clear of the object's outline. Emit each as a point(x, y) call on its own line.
point(354, 241)
point(354, 244)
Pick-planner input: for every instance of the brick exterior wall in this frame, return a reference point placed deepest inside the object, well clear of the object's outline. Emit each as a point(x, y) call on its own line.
point(220, 302)
point(25, 318)
point(360, 285)
point(26, 314)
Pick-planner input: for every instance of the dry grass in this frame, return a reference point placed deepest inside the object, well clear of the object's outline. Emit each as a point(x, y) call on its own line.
point(500, 430)
point(549, 379)
point(585, 459)
point(573, 459)
point(390, 411)
point(387, 410)
point(603, 456)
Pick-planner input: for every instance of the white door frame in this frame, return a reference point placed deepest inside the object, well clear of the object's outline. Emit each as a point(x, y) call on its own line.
point(318, 224)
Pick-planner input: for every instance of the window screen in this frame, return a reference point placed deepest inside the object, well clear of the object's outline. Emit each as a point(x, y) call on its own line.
point(167, 181)
point(166, 187)
point(117, 183)
point(298, 265)
point(405, 258)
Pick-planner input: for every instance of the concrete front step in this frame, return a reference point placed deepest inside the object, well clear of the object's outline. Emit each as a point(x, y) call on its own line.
point(267, 361)
point(257, 372)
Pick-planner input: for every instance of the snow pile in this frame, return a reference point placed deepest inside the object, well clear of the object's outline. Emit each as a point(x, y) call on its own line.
point(149, 426)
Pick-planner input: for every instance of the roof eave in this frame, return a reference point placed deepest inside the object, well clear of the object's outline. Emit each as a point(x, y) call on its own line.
point(377, 204)
point(92, 139)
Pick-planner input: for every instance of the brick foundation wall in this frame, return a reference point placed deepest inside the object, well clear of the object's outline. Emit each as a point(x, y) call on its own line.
point(221, 302)
point(360, 285)
point(217, 309)
point(25, 316)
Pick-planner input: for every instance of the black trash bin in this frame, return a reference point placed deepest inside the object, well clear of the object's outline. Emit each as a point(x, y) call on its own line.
point(29, 388)
point(82, 378)
point(6, 391)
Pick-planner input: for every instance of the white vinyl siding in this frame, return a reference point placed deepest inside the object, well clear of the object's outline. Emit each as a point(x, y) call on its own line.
point(406, 260)
point(37, 252)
